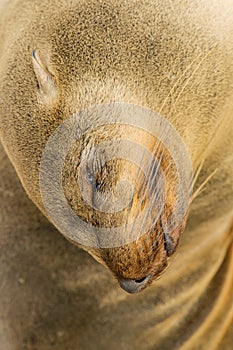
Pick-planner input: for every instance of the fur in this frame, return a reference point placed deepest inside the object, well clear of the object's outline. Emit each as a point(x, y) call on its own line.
point(174, 58)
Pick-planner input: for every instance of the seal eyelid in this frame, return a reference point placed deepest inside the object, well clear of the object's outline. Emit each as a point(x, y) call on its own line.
point(92, 179)
point(90, 175)
point(45, 79)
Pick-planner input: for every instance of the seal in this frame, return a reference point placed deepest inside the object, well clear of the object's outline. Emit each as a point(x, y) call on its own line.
point(176, 64)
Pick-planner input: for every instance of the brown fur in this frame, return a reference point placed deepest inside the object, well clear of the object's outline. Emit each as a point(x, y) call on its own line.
point(177, 62)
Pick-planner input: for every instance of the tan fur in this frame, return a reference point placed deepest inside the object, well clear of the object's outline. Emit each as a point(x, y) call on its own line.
point(177, 59)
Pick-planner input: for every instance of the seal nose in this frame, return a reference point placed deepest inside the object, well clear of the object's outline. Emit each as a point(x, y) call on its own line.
point(134, 285)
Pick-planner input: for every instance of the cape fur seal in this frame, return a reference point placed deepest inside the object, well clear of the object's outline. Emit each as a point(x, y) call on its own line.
point(179, 65)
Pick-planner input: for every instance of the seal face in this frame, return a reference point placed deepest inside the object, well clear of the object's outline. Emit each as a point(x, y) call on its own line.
point(120, 188)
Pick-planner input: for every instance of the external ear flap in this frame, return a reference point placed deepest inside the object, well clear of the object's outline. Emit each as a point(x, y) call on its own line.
point(45, 79)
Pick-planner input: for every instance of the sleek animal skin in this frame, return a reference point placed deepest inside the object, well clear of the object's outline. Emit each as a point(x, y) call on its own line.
point(63, 66)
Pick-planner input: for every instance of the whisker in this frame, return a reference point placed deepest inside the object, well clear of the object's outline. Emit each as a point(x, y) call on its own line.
point(142, 199)
point(156, 197)
point(151, 170)
point(177, 82)
point(151, 184)
point(133, 193)
point(153, 202)
point(197, 173)
point(201, 187)
point(160, 233)
point(159, 143)
point(207, 147)
point(189, 78)
point(152, 174)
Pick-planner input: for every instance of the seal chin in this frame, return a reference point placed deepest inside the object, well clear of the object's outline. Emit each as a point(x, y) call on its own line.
point(134, 285)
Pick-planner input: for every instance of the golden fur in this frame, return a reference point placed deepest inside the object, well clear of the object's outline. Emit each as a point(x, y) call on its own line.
point(175, 58)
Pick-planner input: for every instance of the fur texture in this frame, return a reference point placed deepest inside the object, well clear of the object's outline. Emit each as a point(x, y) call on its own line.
point(175, 59)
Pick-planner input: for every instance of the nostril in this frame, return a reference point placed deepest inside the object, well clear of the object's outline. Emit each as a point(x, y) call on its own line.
point(140, 280)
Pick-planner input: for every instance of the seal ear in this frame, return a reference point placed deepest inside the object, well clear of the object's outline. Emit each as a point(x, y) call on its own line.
point(45, 79)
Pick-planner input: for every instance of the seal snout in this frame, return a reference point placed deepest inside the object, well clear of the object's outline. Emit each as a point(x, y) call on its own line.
point(134, 285)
